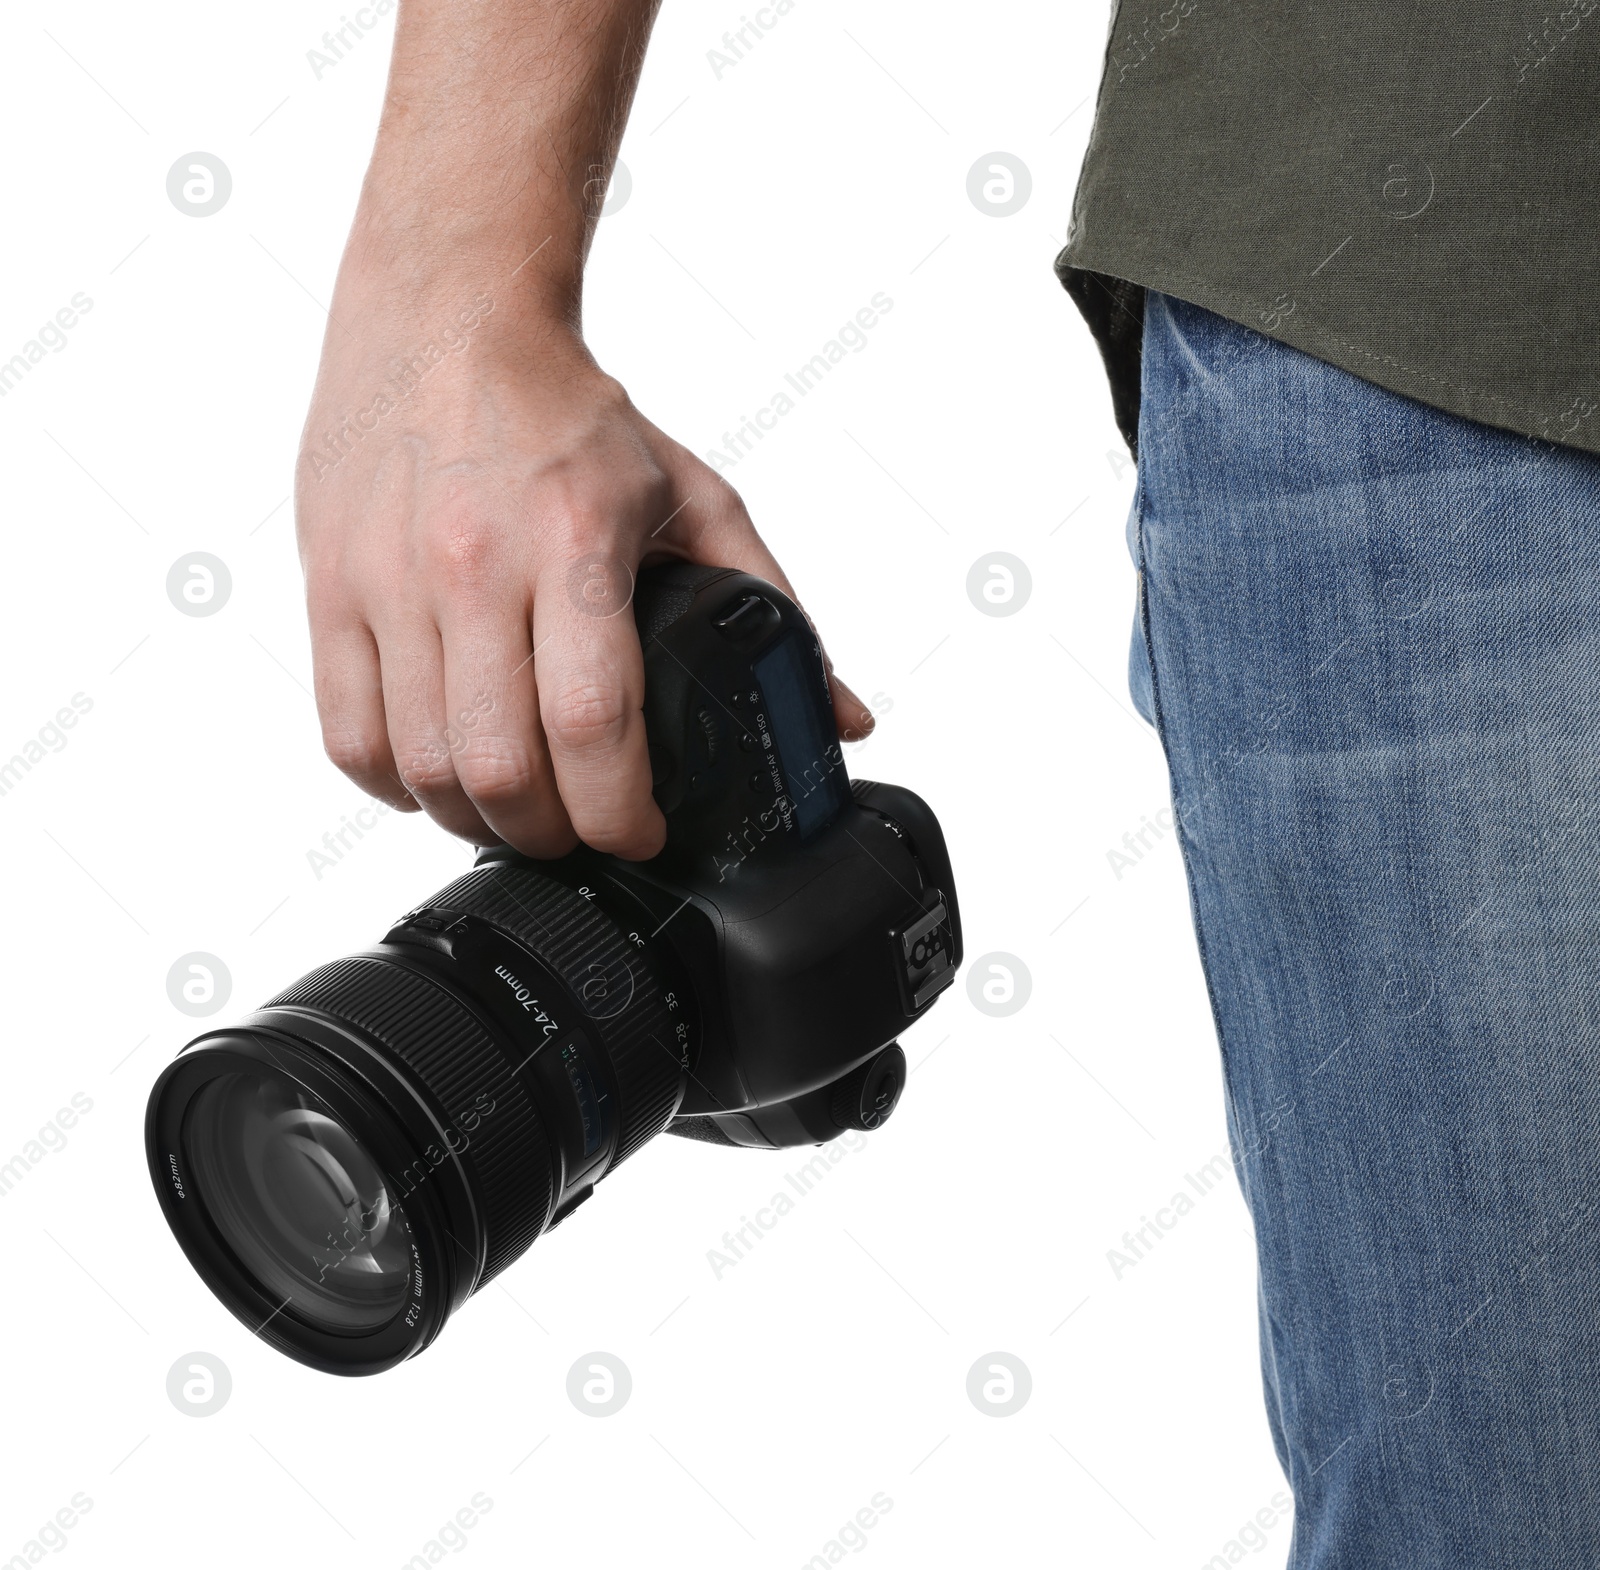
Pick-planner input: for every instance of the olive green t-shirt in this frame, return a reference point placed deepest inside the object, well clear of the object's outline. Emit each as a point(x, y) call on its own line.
point(1409, 192)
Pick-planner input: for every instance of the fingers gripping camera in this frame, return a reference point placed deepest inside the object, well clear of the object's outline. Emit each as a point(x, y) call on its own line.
point(346, 1166)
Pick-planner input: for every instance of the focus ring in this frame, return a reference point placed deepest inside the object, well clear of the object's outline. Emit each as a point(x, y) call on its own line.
point(583, 947)
point(440, 1040)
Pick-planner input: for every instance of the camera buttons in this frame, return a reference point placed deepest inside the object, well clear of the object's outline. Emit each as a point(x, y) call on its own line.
point(746, 618)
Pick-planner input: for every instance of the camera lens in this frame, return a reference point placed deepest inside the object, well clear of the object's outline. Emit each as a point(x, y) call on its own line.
point(350, 1163)
point(303, 1206)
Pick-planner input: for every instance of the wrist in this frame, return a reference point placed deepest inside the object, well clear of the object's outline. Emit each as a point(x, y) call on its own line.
point(438, 215)
point(412, 258)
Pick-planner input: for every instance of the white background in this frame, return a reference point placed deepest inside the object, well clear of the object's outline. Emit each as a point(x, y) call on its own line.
point(769, 1405)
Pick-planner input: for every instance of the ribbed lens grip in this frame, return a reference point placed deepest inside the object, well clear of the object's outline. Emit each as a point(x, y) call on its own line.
point(439, 1039)
point(579, 943)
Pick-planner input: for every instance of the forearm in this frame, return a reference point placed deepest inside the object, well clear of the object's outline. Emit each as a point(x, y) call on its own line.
point(471, 522)
point(500, 128)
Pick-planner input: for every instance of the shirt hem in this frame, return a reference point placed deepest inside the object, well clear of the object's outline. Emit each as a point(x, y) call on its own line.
point(1100, 288)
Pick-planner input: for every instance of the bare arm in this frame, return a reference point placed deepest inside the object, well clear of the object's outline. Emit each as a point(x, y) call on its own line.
point(474, 494)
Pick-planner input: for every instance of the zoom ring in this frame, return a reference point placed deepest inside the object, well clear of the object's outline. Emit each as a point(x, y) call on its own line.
point(582, 945)
point(462, 1067)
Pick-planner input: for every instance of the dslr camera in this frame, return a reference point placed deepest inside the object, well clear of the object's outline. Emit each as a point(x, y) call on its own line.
point(350, 1163)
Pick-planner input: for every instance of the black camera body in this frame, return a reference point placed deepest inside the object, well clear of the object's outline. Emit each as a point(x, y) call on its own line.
point(815, 919)
point(352, 1161)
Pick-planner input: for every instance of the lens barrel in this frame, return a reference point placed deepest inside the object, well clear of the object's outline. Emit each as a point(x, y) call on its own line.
point(350, 1163)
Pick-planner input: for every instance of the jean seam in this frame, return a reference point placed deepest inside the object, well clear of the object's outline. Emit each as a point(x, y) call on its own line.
point(1241, 1172)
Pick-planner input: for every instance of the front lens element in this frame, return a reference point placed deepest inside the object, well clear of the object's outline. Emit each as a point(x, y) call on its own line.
point(384, 1137)
point(299, 1202)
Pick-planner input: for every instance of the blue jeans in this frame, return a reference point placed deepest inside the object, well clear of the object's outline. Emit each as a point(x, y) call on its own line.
point(1369, 636)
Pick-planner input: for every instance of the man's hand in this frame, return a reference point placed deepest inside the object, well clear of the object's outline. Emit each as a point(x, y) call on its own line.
point(474, 494)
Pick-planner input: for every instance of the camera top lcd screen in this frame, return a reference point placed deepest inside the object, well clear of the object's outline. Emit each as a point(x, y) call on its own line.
point(813, 767)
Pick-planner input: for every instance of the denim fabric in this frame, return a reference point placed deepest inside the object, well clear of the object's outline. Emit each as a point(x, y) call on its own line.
point(1373, 642)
